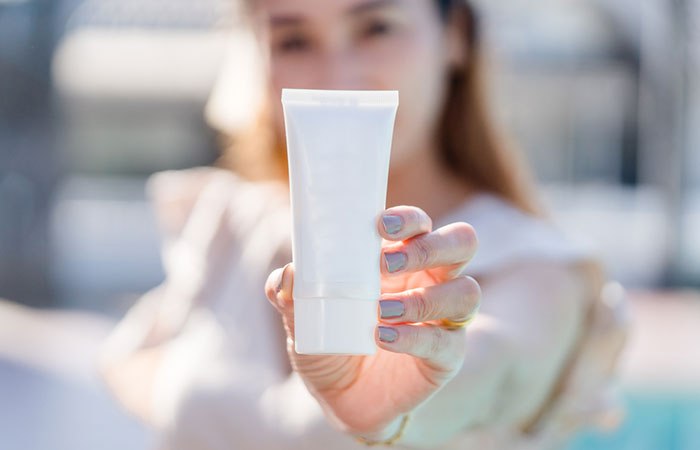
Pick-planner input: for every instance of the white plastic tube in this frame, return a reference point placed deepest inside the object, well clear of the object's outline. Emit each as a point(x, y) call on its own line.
point(338, 146)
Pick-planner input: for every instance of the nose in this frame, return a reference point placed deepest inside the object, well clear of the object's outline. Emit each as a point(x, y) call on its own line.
point(340, 69)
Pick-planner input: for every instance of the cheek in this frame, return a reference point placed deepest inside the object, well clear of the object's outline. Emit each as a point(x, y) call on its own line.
point(280, 76)
point(421, 82)
point(290, 73)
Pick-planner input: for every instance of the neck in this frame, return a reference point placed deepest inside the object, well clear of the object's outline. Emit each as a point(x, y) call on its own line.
point(425, 183)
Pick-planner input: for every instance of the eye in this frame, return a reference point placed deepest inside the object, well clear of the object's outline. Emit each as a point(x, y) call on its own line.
point(377, 28)
point(294, 43)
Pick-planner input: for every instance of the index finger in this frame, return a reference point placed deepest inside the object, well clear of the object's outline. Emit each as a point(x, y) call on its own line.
point(403, 222)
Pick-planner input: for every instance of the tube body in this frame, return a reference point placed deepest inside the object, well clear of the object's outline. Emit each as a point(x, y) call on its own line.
point(338, 147)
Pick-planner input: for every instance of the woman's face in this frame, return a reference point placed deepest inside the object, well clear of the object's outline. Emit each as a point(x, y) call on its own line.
point(361, 44)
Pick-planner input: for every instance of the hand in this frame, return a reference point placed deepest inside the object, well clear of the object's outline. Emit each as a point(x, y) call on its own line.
point(421, 283)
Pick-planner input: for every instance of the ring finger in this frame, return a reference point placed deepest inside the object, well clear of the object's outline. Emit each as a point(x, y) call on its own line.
point(457, 300)
point(441, 348)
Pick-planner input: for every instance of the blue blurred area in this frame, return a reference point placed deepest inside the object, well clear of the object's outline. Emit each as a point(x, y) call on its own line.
point(669, 421)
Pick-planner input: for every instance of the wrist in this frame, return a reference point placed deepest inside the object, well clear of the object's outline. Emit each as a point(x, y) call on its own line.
point(389, 435)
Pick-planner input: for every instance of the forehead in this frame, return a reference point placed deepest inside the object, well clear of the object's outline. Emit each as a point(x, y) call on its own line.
point(294, 10)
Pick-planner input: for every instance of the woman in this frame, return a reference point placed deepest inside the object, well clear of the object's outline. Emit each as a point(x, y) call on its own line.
point(202, 356)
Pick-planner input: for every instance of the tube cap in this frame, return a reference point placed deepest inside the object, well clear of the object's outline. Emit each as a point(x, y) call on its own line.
point(335, 326)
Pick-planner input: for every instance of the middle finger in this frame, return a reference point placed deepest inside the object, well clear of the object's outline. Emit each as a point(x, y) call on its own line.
point(453, 244)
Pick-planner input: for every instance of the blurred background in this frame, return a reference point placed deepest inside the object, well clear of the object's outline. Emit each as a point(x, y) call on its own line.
point(603, 96)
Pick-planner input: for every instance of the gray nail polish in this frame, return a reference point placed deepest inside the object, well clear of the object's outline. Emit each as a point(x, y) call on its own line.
point(391, 308)
point(395, 261)
point(387, 334)
point(392, 224)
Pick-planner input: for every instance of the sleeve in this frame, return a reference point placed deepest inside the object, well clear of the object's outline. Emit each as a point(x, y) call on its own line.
point(185, 206)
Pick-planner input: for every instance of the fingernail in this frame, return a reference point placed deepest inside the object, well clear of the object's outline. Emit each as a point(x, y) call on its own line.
point(395, 261)
point(391, 308)
point(279, 284)
point(392, 224)
point(387, 334)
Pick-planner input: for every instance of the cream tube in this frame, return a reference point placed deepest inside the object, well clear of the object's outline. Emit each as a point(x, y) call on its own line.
point(338, 146)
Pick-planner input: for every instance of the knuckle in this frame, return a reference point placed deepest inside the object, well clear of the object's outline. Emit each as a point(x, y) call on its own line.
point(424, 307)
point(422, 251)
point(417, 213)
point(418, 217)
point(469, 295)
point(424, 217)
point(465, 234)
point(413, 215)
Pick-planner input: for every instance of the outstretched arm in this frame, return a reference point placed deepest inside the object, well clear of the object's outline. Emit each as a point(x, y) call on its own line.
point(528, 323)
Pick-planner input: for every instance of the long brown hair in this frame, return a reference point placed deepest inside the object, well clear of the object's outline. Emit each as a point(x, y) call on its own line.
point(470, 143)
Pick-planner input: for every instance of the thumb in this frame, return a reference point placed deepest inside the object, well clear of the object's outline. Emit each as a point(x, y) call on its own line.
point(278, 288)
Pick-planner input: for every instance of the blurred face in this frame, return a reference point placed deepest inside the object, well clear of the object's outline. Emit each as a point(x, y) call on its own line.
point(362, 44)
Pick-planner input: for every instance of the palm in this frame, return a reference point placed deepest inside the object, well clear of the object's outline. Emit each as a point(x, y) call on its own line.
point(390, 382)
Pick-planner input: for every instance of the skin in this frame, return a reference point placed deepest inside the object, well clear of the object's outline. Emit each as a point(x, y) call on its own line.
point(405, 372)
point(530, 314)
point(386, 44)
point(404, 45)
